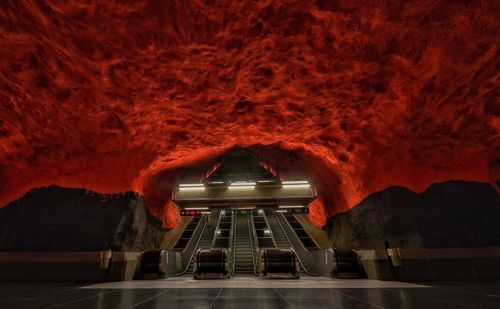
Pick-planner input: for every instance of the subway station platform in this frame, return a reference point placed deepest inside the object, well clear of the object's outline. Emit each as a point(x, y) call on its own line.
point(251, 292)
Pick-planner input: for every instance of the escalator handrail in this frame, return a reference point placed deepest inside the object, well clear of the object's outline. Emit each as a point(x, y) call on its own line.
point(270, 230)
point(308, 235)
point(184, 252)
point(301, 246)
point(216, 228)
point(254, 242)
point(320, 252)
point(232, 236)
point(196, 247)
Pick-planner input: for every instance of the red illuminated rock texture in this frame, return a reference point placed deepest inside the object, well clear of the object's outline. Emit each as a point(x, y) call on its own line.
point(119, 95)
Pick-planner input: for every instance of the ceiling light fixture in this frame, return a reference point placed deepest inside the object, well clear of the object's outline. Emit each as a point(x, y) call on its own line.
point(295, 182)
point(297, 186)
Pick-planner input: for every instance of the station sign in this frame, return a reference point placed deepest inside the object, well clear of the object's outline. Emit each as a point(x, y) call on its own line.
point(302, 210)
point(186, 212)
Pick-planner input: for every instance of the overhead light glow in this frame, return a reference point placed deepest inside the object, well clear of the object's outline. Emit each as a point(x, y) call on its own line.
point(189, 185)
point(243, 183)
point(298, 206)
point(196, 208)
point(297, 186)
point(298, 182)
point(264, 181)
point(216, 182)
point(282, 210)
point(192, 189)
point(241, 187)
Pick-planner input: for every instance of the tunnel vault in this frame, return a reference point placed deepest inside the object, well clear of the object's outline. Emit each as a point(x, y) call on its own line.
point(270, 164)
point(240, 178)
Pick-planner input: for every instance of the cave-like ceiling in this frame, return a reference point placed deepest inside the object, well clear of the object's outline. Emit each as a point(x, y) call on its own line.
point(118, 95)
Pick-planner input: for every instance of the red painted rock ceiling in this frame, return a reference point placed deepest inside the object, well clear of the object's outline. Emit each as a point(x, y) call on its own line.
point(120, 95)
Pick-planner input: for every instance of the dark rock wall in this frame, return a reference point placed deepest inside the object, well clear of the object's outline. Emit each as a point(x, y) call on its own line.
point(66, 219)
point(450, 214)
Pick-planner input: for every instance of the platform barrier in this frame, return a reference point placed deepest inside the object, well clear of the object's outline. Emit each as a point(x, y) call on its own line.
point(68, 266)
point(211, 263)
point(432, 264)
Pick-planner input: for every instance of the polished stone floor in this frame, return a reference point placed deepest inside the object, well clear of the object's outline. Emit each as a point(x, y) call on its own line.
point(246, 292)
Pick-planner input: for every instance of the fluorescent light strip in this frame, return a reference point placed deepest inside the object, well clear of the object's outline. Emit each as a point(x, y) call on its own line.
point(240, 183)
point(247, 208)
point(192, 189)
point(296, 186)
point(182, 185)
point(196, 208)
point(299, 206)
point(264, 181)
point(217, 182)
point(281, 210)
point(295, 182)
point(241, 187)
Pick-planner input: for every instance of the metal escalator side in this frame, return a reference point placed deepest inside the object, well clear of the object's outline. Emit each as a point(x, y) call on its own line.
point(275, 255)
point(308, 242)
point(263, 233)
point(222, 234)
point(232, 242)
point(203, 242)
point(173, 262)
point(244, 255)
point(279, 238)
point(315, 262)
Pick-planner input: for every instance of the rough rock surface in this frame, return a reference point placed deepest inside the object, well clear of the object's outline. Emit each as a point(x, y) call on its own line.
point(66, 219)
point(122, 95)
point(446, 215)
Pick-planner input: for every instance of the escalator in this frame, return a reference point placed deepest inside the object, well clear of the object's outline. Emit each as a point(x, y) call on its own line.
point(315, 261)
point(278, 234)
point(243, 256)
point(297, 227)
point(207, 237)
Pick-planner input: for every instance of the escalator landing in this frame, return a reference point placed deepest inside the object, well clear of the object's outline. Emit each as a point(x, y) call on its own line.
point(250, 281)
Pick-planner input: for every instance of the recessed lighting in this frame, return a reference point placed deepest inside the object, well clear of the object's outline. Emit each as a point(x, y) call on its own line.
point(297, 186)
point(243, 183)
point(192, 189)
point(295, 182)
point(241, 187)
